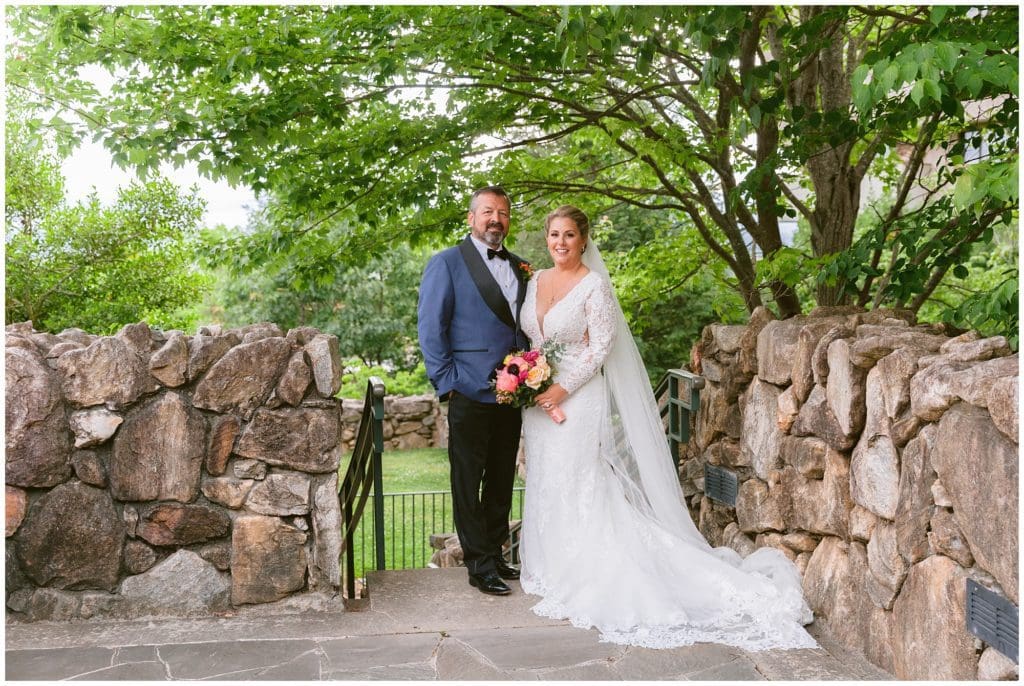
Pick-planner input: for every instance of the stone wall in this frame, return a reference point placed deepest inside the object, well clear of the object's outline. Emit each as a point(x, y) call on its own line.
point(881, 457)
point(415, 421)
point(152, 472)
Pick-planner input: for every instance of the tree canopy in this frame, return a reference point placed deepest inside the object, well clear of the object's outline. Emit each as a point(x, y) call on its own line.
point(724, 121)
point(93, 266)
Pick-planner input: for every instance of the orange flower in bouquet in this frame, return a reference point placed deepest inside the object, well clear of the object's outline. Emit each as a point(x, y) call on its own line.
point(525, 374)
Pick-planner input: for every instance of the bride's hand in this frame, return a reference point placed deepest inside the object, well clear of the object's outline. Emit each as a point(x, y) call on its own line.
point(552, 397)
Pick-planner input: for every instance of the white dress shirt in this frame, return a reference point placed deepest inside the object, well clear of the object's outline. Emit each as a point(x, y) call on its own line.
point(503, 273)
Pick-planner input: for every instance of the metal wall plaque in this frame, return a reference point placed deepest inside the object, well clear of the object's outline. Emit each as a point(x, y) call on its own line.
point(992, 618)
point(720, 484)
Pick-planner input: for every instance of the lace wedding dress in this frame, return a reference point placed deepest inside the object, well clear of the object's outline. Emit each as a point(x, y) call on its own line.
point(606, 539)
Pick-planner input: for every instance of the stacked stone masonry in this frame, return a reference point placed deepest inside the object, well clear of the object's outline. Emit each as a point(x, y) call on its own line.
point(880, 456)
point(155, 473)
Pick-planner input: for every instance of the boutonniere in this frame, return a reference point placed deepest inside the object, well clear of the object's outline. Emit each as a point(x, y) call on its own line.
point(525, 270)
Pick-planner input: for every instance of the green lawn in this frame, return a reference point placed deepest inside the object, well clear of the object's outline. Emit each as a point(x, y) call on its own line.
point(409, 520)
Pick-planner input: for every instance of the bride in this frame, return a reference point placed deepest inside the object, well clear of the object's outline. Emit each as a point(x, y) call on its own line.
point(607, 541)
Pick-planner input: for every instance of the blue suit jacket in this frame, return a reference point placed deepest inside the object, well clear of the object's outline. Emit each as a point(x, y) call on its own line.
point(465, 324)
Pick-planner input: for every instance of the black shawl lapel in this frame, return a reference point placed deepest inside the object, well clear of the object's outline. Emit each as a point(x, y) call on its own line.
point(489, 289)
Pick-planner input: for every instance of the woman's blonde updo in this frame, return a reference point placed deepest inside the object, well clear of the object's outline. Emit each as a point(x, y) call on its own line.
point(573, 213)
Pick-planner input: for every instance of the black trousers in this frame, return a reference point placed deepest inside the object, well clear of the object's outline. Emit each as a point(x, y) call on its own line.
point(483, 440)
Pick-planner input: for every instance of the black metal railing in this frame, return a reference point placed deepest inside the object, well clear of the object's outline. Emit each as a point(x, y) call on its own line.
point(410, 519)
point(364, 472)
point(678, 395)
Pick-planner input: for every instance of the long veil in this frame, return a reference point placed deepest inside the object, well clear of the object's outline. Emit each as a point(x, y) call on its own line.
point(633, 444)
point(633, 438)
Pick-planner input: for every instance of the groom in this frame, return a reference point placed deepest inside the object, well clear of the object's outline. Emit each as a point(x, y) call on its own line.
point(468, 314)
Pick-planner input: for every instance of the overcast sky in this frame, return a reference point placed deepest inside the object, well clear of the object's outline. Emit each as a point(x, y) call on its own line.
point(90, 168)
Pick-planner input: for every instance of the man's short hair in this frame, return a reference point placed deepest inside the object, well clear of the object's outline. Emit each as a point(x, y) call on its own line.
point(489, 190)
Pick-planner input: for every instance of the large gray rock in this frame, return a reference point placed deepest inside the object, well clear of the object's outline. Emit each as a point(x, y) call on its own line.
point(326, 362)
point(280, 494)
point(994, 666)
point(182, 585)
point(821, 506)
point(806, 454)
point(970, 348)
point(222, 442)
point(834, 588)
point(947, 539)
point(875, 473)
point(15, 507)
point(138, 557)
point(746, 356)
point(295, 380)
point(761, 435)
point(158, 452)
point(204, 351)
point(936, 387)
point(756, 508)
point(985, 494)
point(89, 468)
point(179, 524)
point(776, 347)
point(721, 338)
point(845, 388)
point(78, 335)
point(929, 639)
point(875, 342)
point(259, 331)
point(268, 559)
point(819, 358)
point(888, 568)
point(1003, 403)
point(304, 439)
point(169, 364)
point(788, 409)
point(110, 372)
point(914, 507)
point(227, 491)
point(242, 379)
point(138, 336)
point(974, 385)
point(817, 419)
point(94, 426)
point(894, 373)
point(718, 415)
point(326, 515)
point(72, 539)
point(38, 442)
point(807, 341)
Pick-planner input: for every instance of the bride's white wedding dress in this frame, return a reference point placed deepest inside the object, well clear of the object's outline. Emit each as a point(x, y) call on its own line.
point(603, 542)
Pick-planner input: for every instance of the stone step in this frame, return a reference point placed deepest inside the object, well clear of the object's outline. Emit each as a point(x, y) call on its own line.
point(423, 624)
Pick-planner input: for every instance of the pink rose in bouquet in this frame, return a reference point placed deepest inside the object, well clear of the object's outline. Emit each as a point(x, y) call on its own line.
point(523, 375)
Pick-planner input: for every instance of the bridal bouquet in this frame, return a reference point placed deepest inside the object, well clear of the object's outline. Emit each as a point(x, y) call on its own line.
point(525, 374)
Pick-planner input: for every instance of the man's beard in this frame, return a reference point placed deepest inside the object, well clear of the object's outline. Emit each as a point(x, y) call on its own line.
point(493, 235)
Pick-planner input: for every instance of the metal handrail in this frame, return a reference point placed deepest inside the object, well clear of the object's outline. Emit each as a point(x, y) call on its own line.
point(683, 390)
point(364, 470)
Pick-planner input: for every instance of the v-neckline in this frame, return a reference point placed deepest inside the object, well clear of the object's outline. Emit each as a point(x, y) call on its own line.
point(536, 310)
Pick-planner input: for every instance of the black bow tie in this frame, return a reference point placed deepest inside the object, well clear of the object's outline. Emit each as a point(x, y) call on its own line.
point(501, 254)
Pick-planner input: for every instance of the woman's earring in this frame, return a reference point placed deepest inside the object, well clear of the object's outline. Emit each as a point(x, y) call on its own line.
point(584, 250)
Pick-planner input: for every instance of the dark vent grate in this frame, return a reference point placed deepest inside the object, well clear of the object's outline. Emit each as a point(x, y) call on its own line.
point(720, 484)
point(992, 618)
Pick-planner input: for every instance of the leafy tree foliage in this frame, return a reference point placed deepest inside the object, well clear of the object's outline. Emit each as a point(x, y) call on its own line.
point(371, 307)
point(729, 118)
point(89, 266)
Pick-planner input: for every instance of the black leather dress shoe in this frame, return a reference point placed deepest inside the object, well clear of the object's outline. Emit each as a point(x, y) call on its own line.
point(506, 571)
point(489, 583)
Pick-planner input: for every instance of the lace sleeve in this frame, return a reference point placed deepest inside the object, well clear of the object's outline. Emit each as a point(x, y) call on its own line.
point(600, 313)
